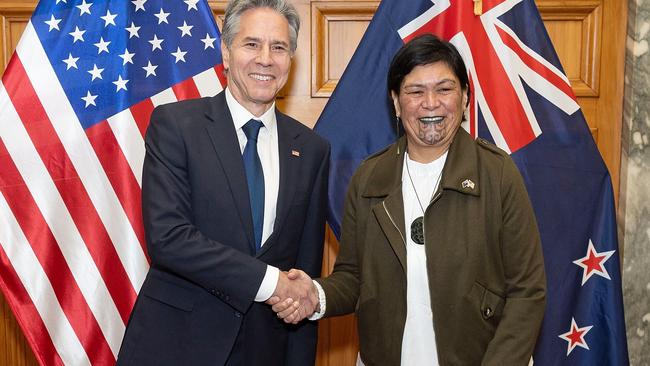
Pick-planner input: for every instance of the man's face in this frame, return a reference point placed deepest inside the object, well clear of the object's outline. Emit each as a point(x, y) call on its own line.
point(431, 104)
point(259, 59)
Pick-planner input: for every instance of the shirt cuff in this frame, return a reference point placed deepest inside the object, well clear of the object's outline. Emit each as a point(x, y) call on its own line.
point(321, 300)
point(268, 285)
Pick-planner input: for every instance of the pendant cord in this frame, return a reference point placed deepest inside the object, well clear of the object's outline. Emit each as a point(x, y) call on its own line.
point(408, 172)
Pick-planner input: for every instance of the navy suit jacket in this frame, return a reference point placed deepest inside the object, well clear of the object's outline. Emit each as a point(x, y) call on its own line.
point(196, 306)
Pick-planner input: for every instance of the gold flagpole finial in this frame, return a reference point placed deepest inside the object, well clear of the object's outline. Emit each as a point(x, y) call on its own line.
point(478, 7)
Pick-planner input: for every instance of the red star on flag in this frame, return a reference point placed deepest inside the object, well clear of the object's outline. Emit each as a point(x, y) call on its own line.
point(593, 263)
point(576, 336)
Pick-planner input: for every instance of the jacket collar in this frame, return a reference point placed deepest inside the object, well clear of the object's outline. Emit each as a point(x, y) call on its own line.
point(460, 172)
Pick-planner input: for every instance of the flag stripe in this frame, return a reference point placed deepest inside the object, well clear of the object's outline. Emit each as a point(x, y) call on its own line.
point(141, 113)
point(558, 87)
point(208, 83)
point(119, 172)
point(131, 142)
point(60, 305)
point(461, 44)
point(82, 156)
point(30, 315)
point(72, 192)
point(20, 303)
point(164, 97)
point(52, 198)
point(221, 73)
point(186, 90)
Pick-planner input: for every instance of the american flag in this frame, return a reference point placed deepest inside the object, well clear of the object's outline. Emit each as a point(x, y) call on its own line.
point(75, 102)
point(523, 102)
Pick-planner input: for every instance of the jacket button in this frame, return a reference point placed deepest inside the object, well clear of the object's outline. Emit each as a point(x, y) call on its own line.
point(487, 312)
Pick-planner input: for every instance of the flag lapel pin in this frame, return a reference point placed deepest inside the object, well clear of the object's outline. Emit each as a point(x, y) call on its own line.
point(467, 183)
point(295, 153)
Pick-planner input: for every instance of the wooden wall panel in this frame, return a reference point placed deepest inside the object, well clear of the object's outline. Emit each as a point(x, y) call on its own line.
point(576, 32)
point(14, 349)
point(336, 29)
point(13, 19)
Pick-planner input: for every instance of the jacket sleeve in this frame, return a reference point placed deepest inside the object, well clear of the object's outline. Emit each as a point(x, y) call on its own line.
point(521, 254)
point(342, 286)
point(301, 347)
point(174, 242)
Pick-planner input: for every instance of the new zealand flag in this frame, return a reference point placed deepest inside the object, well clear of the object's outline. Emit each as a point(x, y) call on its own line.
point(523, 102)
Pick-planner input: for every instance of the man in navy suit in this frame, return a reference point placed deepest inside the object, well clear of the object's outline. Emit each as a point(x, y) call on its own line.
point(234, 193)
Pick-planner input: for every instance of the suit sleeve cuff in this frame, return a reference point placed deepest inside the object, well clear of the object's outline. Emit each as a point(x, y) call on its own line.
point(268, 285)
point(321, 300)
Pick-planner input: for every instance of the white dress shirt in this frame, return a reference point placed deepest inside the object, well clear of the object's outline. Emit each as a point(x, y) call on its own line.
point(267, 149)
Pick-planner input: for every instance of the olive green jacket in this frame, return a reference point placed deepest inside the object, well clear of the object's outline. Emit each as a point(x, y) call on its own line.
point(484, 259)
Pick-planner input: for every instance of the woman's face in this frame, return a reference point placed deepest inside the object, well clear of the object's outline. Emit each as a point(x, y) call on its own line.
point(431, 104)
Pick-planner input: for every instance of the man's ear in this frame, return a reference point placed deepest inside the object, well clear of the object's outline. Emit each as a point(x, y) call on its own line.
point(225, 56)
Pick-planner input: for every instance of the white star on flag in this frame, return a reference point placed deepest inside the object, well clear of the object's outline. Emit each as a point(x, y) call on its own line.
point(120, 83)
point(102, 45)
point(209, 42)
point(139, 4)
point(84, 8)
point(127, 57)
point(89, 99)
point(109, 18)
point(71, 61)
point(150, 69)
point(180, 55)
point(593, 263)
point(576, 336)
point(185, 29)
point(77, 35)
point(156, 43)
point(133, 30)
point(96, 72)
point(191, 4)
point(162, 16)
point(53, 23)
point(64, 1)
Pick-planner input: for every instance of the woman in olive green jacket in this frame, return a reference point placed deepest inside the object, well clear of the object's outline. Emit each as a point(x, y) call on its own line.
point(475, 246)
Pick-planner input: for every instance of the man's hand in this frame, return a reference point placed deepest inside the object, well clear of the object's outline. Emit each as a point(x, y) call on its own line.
point(295, 297)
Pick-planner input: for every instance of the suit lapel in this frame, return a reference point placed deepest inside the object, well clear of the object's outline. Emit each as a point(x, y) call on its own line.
point(289, 169)
point(224, 140)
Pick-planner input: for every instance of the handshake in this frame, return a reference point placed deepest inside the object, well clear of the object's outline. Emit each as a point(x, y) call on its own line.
point(295, 297)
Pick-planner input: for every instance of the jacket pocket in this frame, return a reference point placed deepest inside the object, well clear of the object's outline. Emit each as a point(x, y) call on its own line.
point(491, 303)
point(169, 293)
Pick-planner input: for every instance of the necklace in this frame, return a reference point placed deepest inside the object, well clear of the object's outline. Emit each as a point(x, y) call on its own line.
point(417, 226)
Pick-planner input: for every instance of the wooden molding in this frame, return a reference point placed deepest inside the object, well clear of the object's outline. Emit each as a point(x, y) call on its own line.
point(322, 13)
point(589, 13)
point(11, 13)
point(218, 9)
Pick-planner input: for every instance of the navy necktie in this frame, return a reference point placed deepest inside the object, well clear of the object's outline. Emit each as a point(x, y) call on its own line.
point(255, 178)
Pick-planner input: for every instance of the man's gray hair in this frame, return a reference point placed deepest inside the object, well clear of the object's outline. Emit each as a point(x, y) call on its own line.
point(236, 8)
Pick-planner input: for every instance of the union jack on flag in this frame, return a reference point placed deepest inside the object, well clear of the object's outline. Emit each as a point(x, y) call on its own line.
point(523, 102)
point(75, 102)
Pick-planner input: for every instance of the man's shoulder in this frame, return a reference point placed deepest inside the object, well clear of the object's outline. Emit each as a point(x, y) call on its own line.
point(302, 130)
point(184, 105)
